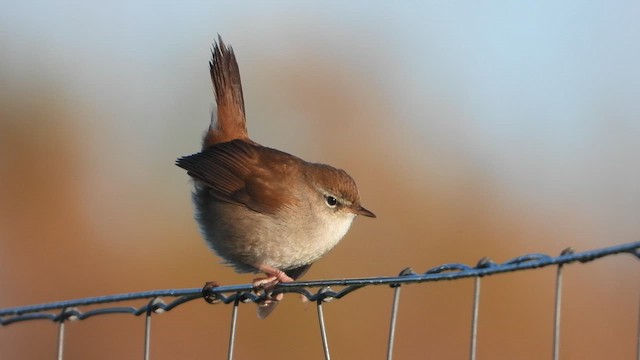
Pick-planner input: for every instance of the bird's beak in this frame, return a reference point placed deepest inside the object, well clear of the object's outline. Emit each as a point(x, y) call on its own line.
point(359, 210)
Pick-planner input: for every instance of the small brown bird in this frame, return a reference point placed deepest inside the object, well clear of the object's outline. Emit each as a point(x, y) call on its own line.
point(261, 209)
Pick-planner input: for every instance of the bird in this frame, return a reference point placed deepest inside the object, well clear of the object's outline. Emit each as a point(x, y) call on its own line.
point(263, 210)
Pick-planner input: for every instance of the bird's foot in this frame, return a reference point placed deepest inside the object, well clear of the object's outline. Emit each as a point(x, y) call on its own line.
point(274, 277)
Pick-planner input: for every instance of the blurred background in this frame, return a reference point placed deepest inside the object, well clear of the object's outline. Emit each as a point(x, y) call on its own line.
point(472, 128)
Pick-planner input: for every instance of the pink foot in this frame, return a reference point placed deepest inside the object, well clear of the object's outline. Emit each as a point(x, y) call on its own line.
point(274, 277)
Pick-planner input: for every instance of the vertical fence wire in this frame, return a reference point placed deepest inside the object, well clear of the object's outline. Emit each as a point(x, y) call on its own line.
point(556, 314)
point(323, 331)
point(147, 330)
point(61, 335)
point(474, 319)
point(232, 331)
point(392, 325)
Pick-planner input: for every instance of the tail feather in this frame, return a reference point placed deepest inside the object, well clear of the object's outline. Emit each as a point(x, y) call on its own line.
point(267, 308)
point(230, 123)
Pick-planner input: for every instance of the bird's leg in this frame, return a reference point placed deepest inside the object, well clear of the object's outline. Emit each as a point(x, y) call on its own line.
point(274, 276)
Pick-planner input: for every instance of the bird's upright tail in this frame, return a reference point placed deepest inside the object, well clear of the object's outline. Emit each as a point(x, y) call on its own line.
point(230, 123)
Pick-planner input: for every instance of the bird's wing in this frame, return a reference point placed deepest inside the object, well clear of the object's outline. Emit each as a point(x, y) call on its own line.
point(244, 173)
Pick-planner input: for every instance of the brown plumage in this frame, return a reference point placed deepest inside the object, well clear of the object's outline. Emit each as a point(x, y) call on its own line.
point(225, 76)
point(261, 209)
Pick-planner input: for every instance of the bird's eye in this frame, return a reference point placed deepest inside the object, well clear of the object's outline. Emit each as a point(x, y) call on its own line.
point(331, 201)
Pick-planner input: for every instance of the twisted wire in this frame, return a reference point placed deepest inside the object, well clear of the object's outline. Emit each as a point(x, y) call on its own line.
point(245, 292)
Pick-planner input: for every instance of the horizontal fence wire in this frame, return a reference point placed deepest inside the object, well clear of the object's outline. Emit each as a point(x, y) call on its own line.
point(213, 293)
point(246, 293)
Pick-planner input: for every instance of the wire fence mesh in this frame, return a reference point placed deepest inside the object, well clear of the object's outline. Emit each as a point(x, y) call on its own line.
point(318, 292)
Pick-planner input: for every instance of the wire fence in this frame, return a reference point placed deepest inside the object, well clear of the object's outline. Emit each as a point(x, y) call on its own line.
point(165, 300)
